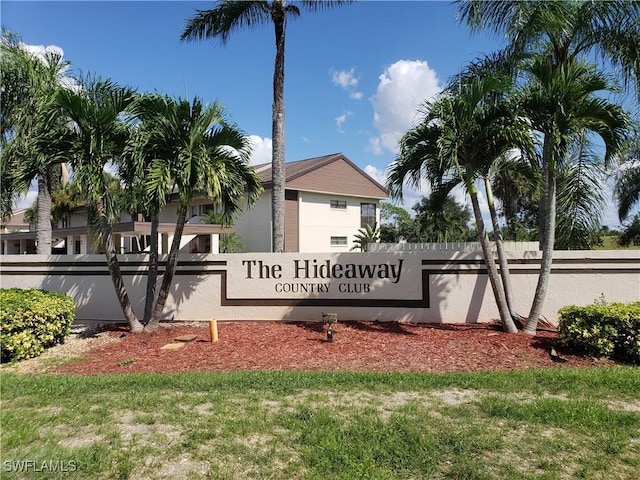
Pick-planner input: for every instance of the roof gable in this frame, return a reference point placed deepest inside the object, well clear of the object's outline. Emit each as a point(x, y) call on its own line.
point(333, 173)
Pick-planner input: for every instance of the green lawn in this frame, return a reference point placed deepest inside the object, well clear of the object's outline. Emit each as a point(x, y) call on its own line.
point(536, 424)
point(610, 242)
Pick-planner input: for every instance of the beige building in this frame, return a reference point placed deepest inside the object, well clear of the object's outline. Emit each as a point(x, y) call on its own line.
point(328, 199)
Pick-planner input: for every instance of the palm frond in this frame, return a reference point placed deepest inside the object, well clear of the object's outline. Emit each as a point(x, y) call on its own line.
point(226, 19)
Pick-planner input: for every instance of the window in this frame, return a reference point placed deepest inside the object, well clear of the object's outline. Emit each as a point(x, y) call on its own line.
point(337, 241)
point(367, 214)
point(339, 204)
point(201, 210)
point(205, 209)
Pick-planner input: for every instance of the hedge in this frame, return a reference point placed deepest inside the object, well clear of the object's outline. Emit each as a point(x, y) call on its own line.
point(602, 329)
point(31, 321)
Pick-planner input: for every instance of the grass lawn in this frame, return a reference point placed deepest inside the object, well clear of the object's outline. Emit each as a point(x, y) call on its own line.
point(535, 424)
point(610, 242)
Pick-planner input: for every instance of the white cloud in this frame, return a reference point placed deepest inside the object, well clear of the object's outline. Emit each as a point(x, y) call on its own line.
point(42, 51)
point(375, 146)
point(402, 88)
point(377, 174)
point(345, 78)
point(262, 149)
point(341, 119)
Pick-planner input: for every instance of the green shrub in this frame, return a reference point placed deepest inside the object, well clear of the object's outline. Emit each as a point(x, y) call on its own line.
point(602, 329)
point(32, 320)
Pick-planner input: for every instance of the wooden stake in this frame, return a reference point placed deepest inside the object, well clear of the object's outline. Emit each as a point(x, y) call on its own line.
point(213, 329)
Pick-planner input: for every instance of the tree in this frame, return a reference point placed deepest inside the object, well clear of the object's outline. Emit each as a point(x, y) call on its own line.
point(231, 243)
point(560, 32)
point(627, 186)
point(394, 220)
point(224, 20)
point(227, 242)
point(631, 233)
point(442, 220)
point(460, 132)
point(98, 135)
point(64, 200)
point(365, 236)
point(580, 198)
point(516, 185)
point(562, 105)
point(193, 151)
point(29, 84)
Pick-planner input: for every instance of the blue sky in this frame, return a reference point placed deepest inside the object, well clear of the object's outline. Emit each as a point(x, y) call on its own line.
point(355, 75)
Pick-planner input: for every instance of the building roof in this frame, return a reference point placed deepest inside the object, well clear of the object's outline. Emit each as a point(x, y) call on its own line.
point(16, 221)
point(332, 173)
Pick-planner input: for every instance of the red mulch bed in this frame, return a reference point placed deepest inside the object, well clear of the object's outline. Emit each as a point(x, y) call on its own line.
point(356, 346)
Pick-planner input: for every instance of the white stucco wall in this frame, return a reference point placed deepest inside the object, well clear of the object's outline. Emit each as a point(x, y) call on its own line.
point(411, 286)
point(319, 222)
point(254, 226)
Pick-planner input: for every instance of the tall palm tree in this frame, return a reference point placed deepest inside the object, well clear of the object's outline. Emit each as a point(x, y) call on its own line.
point(193, 151)
point(562, 32)
point(98, 136)
point(461, 133)
point(29, 84)
point(220, 23)
point(561, 103)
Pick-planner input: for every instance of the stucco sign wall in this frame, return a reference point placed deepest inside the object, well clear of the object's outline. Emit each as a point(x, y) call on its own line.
point(325, 279)
point(448, 287)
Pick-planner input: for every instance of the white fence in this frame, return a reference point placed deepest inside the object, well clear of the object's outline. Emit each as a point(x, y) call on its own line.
point(449, 247)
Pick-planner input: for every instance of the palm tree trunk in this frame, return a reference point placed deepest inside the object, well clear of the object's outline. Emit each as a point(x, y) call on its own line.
point(43, 224)
point(114, 269)
point(278, 153)
point(152, 275)
point(548, 238)
point(502, 256)
point(492, 271)
point(170, 270)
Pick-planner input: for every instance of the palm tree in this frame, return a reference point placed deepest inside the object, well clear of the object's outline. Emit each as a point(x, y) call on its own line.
point(517, 185)
point(220, 23)
point(365, 236)
point(561, 103)
point(627, 187)
point(562, 32)
point(29, 84)
point(460, 134)
point(580, 197)
point(98, 136)
point(193, 150)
